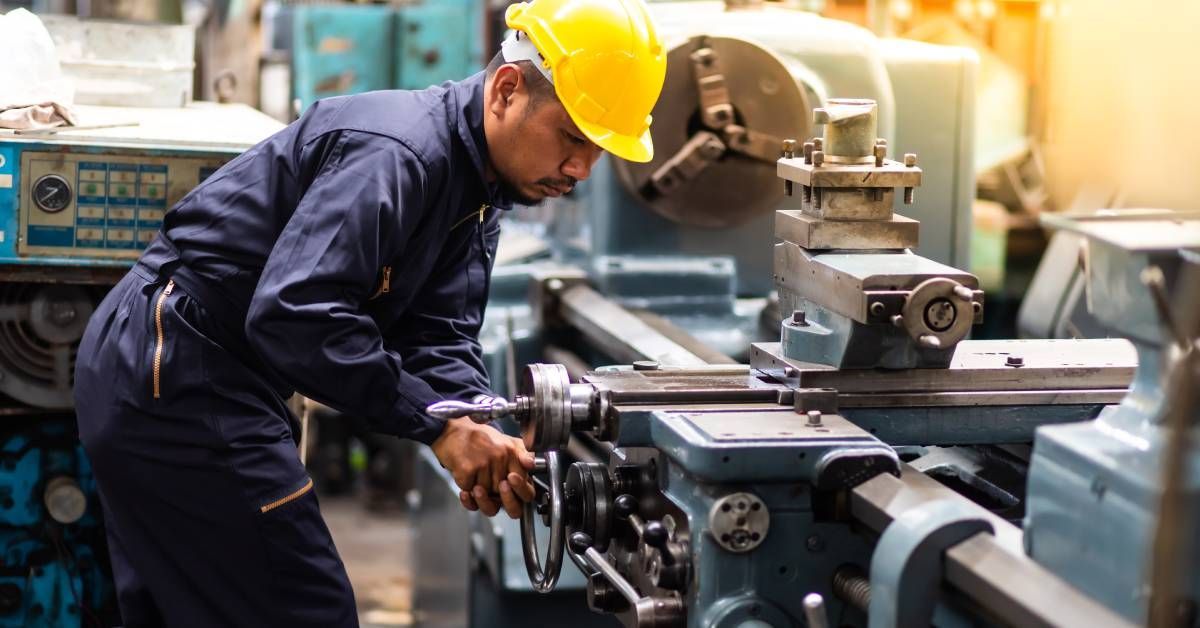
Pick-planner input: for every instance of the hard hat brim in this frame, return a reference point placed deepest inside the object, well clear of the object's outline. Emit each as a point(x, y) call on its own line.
point(627, 147)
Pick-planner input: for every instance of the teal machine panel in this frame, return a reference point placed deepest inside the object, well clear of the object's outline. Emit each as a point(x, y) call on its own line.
point(349, 48)
point(95, 198)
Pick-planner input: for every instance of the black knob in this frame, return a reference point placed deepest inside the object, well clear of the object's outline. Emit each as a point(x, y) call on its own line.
point(580, 542)
point(625, 506)
point(655, 535)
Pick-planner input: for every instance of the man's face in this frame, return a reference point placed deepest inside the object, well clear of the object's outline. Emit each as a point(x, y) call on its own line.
point(536, 150)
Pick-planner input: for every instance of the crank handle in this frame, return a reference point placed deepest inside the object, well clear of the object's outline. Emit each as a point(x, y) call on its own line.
point(484, 410)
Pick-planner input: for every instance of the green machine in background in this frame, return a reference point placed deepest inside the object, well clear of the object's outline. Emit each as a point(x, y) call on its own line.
point(341, 49)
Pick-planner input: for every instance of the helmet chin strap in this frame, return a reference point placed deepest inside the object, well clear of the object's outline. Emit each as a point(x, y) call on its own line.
point(518, 48)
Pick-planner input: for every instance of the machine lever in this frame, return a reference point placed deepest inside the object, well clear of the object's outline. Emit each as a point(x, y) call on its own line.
point(581, 545)
point(655, 534)
point(814, 611)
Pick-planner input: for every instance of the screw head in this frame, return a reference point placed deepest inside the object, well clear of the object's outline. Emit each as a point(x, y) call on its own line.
point(1015, 361)
point(910, 160)
point(877, 308)
point(799, 318)
point(814, 417)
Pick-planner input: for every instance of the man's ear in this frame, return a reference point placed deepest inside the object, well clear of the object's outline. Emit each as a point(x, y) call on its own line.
point(504, 87)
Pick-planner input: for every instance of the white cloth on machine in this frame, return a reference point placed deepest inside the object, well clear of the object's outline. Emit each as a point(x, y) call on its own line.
point(34, 94)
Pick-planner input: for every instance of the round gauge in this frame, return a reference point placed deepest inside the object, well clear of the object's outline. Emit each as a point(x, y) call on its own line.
point(52, 193)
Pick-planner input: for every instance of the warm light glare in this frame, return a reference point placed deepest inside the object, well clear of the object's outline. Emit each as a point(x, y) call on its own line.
point(986, 9)
point(902, 10)
point(965, 9)
point(1048, 10)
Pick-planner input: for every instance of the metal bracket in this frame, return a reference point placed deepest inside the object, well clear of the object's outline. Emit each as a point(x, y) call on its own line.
point(716, 110)
point(906, 568)
point(761, 146)
point(703, 149)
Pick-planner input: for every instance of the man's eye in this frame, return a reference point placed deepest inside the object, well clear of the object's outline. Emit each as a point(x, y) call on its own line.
point(574, 139)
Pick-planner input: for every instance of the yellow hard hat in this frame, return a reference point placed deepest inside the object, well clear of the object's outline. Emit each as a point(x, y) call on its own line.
point(607, 63)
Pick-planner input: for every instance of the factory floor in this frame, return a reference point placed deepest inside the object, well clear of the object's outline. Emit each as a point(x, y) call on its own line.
point(375, 545)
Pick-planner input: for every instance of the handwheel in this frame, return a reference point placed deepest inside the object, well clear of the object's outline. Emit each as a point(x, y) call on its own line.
point(544, 577)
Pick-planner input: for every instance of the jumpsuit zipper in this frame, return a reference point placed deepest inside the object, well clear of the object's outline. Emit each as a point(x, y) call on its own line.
point(158, 328)
point(290, 498)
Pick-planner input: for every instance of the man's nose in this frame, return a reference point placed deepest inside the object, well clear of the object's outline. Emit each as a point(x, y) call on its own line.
point(579, 164)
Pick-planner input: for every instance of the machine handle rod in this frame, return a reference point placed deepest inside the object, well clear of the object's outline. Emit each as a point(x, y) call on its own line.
point(581, 545)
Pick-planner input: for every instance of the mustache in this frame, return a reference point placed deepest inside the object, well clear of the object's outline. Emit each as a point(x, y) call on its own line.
point(567, 182)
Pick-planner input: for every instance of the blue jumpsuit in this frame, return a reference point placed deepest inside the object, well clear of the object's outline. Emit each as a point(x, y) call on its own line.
point(347, 258)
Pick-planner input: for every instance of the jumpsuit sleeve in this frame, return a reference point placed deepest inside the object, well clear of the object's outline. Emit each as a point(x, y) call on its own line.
point(439, 333)
point(305, 319)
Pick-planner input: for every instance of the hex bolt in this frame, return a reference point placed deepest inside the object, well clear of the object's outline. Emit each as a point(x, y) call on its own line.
point(1015, 361)
point(814, 418)
point(789, 148)
point(799, 318)
point(910, 160)
point(808, 151)
point(818, 158)
point(877, 308)
point(880, 153)
point(818, 143)
point(790, 372)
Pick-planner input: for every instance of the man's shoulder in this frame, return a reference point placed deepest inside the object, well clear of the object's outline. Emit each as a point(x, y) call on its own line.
point(416, 119)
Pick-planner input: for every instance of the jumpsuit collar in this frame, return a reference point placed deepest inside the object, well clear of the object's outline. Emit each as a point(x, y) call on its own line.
point(467, 110)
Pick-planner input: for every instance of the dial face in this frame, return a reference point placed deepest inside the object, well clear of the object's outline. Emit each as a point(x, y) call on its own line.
point(52, 193)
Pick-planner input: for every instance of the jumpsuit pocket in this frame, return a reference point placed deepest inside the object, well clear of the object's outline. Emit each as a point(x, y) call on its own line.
point(385, 283)
point(287, 499)
point(158, 335)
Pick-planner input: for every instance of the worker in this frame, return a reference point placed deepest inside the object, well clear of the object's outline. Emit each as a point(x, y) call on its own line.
point(346, 258)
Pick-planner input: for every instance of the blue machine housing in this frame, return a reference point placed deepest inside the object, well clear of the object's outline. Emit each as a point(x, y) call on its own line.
point(1095, 487)
point(351, 48)
point(53, 574)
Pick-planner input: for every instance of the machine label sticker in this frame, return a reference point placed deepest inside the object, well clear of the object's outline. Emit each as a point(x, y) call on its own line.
point(6, 176)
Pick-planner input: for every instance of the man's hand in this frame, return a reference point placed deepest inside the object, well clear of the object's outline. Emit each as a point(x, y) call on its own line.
point(488, 463)
point(514, 493)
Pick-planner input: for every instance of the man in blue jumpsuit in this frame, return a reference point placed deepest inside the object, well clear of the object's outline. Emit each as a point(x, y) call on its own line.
point(346, 258)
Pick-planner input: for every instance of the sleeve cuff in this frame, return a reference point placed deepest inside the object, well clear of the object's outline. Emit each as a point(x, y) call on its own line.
point(408, 413)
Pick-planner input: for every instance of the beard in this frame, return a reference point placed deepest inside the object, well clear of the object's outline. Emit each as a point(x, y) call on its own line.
point(513, 193)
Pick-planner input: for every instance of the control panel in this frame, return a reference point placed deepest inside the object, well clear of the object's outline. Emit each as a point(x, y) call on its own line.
point(100, 205)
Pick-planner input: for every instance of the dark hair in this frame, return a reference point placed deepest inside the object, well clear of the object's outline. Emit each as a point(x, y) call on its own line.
point(540, 89)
